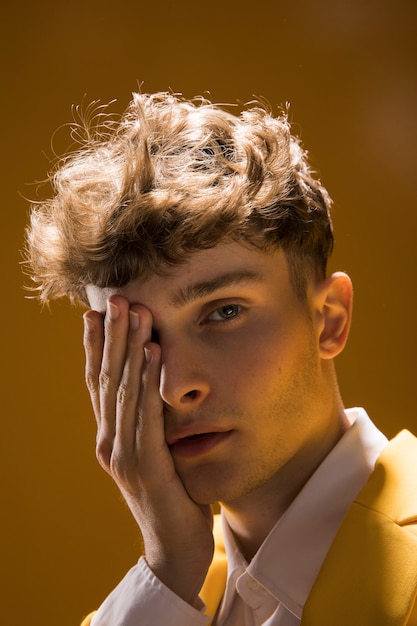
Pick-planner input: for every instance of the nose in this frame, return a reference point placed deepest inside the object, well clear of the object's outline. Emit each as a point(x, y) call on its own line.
point(184, 382)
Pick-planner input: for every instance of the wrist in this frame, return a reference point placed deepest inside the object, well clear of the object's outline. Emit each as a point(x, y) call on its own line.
point(185, 579)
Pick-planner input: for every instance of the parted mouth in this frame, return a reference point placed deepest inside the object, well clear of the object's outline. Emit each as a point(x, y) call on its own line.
point(191, 434)
point(197, 444)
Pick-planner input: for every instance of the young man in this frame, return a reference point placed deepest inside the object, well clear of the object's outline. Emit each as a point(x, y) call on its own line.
point(199, 241)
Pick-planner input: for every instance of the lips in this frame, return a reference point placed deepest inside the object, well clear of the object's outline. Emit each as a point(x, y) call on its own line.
point(197, 444)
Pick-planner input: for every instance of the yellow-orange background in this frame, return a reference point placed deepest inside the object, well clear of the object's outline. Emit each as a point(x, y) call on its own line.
point(348, 68)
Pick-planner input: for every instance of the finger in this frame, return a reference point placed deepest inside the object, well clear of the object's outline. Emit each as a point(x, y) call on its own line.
point(150, 431)
point(130, 387)
point(93, 340)
point(116, 326)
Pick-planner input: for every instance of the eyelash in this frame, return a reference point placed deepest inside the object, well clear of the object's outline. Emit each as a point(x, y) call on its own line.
point(239, 310)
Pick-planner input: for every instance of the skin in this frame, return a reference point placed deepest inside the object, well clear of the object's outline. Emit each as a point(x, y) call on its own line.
point(241, 362)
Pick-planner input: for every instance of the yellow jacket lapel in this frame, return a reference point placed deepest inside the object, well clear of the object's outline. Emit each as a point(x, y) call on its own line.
point(370, 573)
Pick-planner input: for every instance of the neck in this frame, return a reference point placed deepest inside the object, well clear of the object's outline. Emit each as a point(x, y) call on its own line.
point(252, 517)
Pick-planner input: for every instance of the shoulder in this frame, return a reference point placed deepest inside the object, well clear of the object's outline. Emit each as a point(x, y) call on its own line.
point(392, 487)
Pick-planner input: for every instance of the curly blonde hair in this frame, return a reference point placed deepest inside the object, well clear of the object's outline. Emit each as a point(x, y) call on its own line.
point(171, 177)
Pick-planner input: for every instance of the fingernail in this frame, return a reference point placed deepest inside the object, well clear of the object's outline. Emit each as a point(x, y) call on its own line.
point(89, 324)
point(134, 320)
point(148, 355)
point(113, 311)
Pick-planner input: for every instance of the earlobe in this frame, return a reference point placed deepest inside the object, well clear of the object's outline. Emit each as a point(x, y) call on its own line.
point(334, 299)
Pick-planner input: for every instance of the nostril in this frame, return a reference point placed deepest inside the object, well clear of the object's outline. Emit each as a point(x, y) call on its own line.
point(154, 336)
point(191, 394)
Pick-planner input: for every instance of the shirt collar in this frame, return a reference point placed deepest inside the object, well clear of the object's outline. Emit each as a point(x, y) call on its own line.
point(290, 558)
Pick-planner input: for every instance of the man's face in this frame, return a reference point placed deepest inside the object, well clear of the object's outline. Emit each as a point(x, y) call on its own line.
point(246, 402)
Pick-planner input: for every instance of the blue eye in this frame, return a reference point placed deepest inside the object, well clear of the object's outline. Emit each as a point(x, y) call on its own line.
point(226, 312)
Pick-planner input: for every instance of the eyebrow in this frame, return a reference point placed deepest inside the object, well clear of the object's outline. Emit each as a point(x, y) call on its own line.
point(208, 287)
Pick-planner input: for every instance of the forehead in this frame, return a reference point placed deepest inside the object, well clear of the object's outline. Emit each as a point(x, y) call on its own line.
point(206, 271)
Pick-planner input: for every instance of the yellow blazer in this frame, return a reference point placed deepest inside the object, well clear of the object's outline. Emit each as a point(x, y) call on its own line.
point(369, 576)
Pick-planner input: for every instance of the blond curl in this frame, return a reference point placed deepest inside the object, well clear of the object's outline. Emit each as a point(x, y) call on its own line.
point(169, 178)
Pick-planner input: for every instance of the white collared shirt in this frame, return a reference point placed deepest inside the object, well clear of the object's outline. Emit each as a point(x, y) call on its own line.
point(273, 588)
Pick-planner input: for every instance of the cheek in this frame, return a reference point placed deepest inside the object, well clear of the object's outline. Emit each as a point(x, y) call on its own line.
point(254, 361)
point(249, 367)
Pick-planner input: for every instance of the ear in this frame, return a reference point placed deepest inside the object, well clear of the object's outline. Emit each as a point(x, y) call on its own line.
point(334, 313)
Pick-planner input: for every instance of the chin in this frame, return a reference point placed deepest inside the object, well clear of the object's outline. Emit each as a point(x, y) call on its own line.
point(215, 490)
point(203, 496)
point(206, 488)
